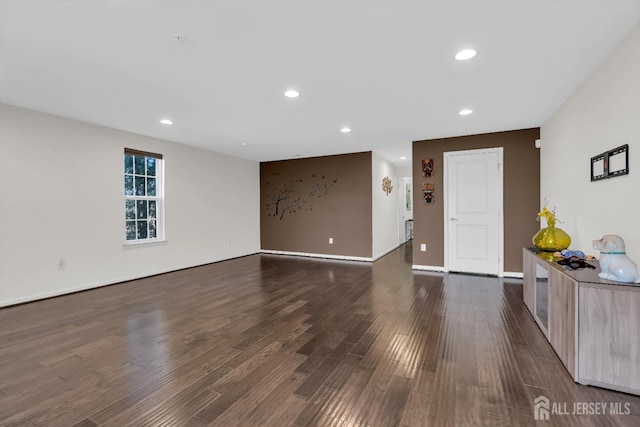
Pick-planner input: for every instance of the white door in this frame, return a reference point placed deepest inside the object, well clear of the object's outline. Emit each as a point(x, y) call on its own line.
point(473, 211)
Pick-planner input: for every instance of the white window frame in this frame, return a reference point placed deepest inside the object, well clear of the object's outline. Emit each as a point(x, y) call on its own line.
point(158, 198)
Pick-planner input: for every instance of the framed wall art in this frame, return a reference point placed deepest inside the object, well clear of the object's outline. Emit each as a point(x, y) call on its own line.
point(408, 195)
point(610, 164)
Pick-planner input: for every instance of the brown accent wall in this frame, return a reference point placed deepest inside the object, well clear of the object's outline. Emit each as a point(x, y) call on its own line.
point(521, 193)
point(303, 202)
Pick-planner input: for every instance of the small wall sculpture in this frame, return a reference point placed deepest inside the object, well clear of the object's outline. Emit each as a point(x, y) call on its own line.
point(428, 188)
point(386, 185)
point(427, 168)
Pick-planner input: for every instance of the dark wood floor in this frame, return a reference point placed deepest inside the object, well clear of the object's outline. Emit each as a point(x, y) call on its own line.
point(274, 341)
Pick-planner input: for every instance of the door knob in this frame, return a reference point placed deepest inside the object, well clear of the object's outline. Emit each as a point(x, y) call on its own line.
point(453, 219)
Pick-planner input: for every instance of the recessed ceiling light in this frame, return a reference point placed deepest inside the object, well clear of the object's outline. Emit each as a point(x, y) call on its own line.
point(465, 54)
point(465, 112)
point(403, 158)
point(244, 144)
point(292, 93)
point(345, 130)
point(166, 122)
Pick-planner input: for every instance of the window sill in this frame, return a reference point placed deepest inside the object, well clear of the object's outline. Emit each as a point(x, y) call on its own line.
point(137, 244)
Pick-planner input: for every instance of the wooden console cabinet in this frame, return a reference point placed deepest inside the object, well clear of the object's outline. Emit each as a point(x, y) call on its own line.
point(592, 324)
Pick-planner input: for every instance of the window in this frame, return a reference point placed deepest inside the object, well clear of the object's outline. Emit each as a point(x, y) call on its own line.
point(143, 196)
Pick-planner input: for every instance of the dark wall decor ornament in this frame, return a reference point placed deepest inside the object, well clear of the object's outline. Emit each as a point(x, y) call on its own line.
point(610, 163)
point(386, 185)
point(427, 168)
point(428, 188)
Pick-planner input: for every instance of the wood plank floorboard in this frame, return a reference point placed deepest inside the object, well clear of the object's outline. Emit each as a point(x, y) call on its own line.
point(269, 340)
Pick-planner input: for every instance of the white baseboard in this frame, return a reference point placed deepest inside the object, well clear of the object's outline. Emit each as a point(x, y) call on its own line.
point(99, 284)
point(312, 255)
point(377, 257)
point(64, 291)
point(513, 274)
point(429, 268)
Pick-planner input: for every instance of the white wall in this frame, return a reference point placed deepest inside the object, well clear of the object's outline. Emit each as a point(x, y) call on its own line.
point(405, 170)
point(385, 208)
point(61, 187)
point(602, 114)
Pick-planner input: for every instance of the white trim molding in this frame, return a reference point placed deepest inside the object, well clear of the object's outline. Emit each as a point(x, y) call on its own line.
point(85, 287)
point(513, 274)
point(387, 252)
point(312, 255)
point(109, 282)
point(429, 268)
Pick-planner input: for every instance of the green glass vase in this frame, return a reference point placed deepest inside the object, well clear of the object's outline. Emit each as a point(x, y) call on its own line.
point(551, 239)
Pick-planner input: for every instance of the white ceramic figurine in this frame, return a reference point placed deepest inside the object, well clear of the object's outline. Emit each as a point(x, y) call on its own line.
point(614, 262)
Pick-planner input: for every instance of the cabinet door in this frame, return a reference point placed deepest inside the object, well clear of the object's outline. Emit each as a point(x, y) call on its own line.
point(609, 338)
point(541, 296)
point(562, 318)
point(528, 280)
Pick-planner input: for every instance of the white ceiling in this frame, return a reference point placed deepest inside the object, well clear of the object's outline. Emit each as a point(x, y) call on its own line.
point(383, 68)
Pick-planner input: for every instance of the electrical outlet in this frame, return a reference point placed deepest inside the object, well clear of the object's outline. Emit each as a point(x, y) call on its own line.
point(331, 240)
point(60, 265)
point(423, 247)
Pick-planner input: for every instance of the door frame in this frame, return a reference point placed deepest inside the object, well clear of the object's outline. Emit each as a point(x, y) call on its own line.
point(446, 156)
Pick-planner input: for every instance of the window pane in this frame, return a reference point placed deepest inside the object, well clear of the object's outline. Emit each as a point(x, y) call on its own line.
point(151, 186)
point(130, 208)
point(142, 209)
point(139, 165)
point(128, 163)
point(151, 166)
point(142, 229)
point(128, 185)
point(140, 186)
point(131, 230)
point(141, 174)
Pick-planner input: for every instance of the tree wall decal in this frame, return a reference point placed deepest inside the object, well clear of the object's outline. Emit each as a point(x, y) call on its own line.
point(291, 197)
